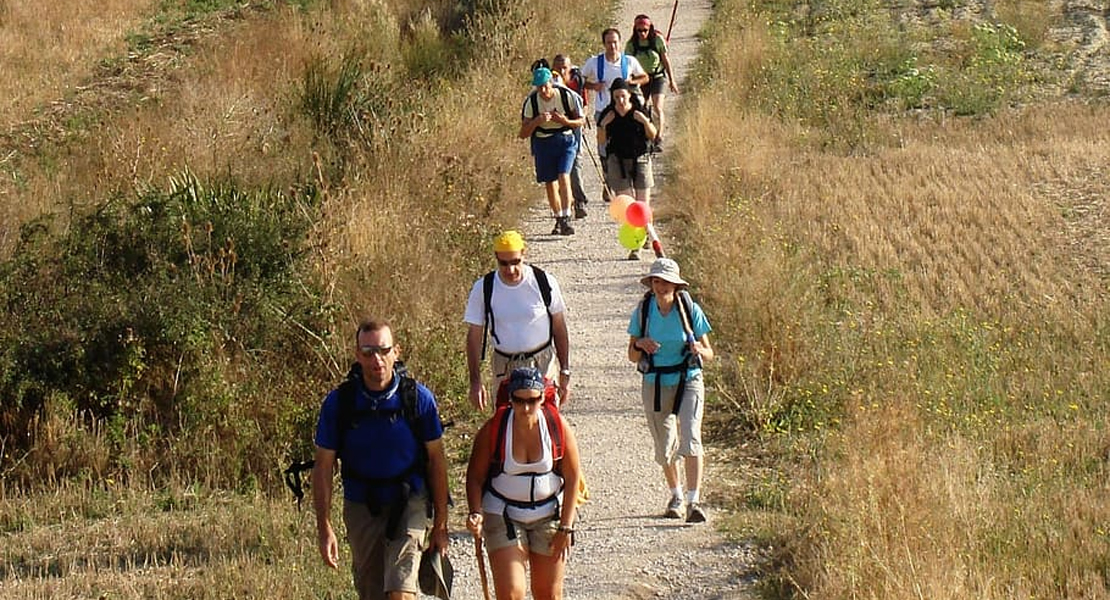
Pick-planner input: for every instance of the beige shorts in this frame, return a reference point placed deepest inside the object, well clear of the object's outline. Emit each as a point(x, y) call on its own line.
point(534, 537)
point(380, 565)
point(544, 360)
point(673, 435)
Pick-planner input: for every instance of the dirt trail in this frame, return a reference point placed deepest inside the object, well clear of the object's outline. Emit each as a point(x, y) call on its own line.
point(625, 549)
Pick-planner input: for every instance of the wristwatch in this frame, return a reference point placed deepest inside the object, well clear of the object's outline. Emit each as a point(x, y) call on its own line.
point(565, 372)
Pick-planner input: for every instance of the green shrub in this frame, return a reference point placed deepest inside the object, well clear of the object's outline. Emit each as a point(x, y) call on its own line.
point(156, 308)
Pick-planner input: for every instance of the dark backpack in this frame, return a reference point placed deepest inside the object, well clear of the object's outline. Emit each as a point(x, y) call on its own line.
point(631, 141)
point(487, 295)
point(347, 418)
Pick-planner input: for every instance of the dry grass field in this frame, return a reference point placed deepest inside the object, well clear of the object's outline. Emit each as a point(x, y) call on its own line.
point(894, 214)
point(915, 306)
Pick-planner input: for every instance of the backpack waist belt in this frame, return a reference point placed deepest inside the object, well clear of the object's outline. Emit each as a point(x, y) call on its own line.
point(681, 369)
point(510, 530)
point(523, 355)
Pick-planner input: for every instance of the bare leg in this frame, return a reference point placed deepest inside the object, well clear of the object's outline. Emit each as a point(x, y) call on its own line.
point(670, 473)
point(547, 576)
point(552, 196)
point(509, 578)
point(693, 472)
point(657, 112)
point(564, 193)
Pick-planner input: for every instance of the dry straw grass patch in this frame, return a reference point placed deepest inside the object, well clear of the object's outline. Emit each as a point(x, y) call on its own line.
point(47, 48)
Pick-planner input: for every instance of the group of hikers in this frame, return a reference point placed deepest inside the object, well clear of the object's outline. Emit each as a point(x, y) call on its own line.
point(628, 84)
point(382, 428)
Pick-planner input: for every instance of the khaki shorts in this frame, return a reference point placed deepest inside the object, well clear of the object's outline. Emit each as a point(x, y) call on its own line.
point(534, 537)
point(380, 565)
point(544, 361)
point(675, 436)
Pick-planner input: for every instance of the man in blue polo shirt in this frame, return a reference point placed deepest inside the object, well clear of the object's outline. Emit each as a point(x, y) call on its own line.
point(384, 429)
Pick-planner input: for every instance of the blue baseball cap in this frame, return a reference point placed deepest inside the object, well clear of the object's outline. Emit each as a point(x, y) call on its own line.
point(525, 378)
point(541, 76)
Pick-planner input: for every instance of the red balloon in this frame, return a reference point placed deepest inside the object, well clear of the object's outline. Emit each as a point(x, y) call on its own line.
point(638, 214)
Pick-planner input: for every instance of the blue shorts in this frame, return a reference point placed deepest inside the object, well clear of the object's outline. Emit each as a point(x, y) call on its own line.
point(554, 155)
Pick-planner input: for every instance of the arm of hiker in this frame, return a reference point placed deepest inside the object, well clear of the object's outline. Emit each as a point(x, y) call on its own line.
point(560, 543)
point(322, 473)
point(527, 126)
point(637, 346)
point(702, 348)
point(562, 353)
point(573, 123)
point(474, 334)
point(437, 484)
point(649, 129)
point(476, 472)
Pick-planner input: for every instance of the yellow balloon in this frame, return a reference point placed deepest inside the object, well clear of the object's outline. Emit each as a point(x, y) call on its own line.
point(618, 207)
point(632, 237)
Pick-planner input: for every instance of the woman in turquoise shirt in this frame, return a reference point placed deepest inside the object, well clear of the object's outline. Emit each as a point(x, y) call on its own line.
point(669, 342)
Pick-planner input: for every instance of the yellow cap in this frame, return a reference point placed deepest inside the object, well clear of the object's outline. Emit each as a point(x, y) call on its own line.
point(508, 241)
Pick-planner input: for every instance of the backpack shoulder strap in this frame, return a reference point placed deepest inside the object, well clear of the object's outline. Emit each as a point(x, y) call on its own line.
point(487, 296)
point(645, 306)
point(545, 293)
point(545, 285)
point(554, 429)
point(624, 67)
point(564, 92)
point(497, 456)
point(534, 101)
point(601, 67)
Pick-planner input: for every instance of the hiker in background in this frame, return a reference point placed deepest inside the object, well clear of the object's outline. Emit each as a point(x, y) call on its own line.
point(669, 341)
point(394, 470)
point(523, 459)
point(550, 115)
point(521, 308)
point(602, 69)
point(649, 47)
point(626, 132)
point(566, 74)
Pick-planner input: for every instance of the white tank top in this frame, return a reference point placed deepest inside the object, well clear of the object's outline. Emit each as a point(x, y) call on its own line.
point(526, 482)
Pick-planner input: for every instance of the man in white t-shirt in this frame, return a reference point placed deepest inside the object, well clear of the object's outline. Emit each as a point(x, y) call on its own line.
point(522, 309)
point(613, 64)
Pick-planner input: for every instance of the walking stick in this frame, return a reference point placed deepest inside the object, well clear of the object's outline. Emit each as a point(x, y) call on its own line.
point(673, 11)
point(481, 565)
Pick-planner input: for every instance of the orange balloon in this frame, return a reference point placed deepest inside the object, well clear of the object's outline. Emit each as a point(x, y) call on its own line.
point(618, 207)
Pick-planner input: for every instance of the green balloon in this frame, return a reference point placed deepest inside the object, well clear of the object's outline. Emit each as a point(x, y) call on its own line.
point(632, 237)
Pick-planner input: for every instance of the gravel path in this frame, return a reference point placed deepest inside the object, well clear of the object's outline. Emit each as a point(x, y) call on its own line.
point(625, 549)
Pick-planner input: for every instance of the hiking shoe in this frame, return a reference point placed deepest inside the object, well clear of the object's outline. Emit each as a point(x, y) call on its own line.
point(674, 509)
point(564, 226)
point(579, 210)
point(695, 514)
point(634, 255)
point(558, 226)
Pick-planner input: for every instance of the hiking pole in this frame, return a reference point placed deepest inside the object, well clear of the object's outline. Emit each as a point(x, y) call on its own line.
point(674, 10)
point(606, 193)
point(481, 566)
point(656, 245)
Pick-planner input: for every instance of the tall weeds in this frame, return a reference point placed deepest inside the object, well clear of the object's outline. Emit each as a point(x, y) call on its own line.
point(912, 339)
